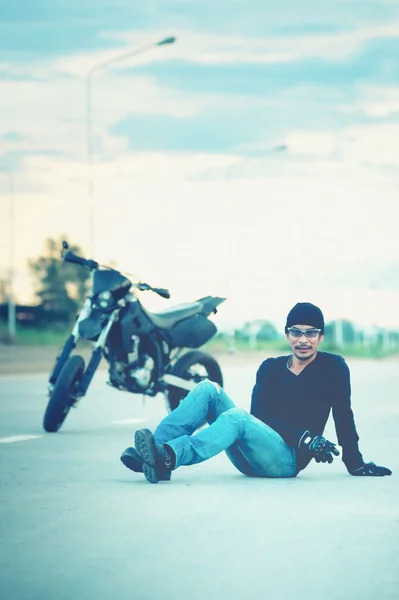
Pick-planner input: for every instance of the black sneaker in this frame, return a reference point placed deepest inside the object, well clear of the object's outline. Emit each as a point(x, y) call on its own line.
point(157, 463)
point(132, 460)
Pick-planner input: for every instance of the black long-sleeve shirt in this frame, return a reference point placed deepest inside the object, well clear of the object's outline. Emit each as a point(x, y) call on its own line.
point(293, 404)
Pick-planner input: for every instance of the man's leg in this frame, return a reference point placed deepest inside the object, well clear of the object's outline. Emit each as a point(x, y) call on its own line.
point(252, 446)
point(204, 403)
point(262, 452)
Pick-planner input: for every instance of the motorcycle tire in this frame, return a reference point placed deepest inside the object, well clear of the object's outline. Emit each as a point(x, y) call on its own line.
point(62, 397)
point(185, 367)
point(61, 359)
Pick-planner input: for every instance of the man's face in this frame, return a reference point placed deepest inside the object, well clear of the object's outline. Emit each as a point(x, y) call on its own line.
point(303, 347)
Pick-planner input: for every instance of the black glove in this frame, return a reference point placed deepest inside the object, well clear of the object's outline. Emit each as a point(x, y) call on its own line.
point(319, 448)
point(371, 470)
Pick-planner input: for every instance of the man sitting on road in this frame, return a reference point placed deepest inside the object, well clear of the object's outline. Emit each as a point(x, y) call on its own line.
point(291, 402)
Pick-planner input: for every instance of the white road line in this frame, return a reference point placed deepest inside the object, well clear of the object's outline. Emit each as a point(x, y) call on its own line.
point(18, 438)
point(129, 421)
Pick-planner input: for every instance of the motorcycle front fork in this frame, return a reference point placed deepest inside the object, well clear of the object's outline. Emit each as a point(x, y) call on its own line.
point(96, 355)
point(69, 345)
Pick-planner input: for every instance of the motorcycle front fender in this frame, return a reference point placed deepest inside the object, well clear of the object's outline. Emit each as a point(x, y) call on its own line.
point(91, 327)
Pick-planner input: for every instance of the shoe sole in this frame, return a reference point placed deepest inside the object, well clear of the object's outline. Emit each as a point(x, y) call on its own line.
point(145, 446)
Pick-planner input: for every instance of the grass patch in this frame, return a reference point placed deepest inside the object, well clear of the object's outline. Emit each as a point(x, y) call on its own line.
point(221, 344)
point(25, 336)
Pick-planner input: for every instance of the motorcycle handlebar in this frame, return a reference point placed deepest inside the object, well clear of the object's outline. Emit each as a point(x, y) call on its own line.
point(162, 292)
point(69, 256)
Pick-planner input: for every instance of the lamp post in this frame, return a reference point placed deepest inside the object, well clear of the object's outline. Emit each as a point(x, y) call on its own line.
point(89, 129)
point(11, 303)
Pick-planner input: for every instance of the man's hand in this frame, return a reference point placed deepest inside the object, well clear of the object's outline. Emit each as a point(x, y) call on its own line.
point(371, 470)
point(320, 449)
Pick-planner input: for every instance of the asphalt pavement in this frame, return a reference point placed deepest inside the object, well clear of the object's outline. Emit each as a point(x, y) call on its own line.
point(76, 524)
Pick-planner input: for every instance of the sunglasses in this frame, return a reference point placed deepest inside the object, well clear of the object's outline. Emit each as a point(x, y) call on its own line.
point(312, 333)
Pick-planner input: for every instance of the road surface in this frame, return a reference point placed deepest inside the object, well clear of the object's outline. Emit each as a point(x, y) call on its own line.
point(77, 525)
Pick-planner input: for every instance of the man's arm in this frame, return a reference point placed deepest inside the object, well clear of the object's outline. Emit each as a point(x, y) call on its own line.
point(346, 429)
point(260, 408)
point(343, 417)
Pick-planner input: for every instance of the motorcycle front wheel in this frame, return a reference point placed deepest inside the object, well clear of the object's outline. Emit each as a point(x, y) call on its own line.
point(193, 366)
point(62, 395)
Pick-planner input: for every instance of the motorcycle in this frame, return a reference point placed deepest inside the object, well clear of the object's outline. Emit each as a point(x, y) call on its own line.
point(147, 352)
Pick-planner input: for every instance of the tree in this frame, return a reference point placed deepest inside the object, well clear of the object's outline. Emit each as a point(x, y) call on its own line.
point(258, 330)
point(61, 286)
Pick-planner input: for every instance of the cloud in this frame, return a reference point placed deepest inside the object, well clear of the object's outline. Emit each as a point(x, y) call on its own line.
point(196, 119)
point(202, 47)
point(313, 143)
point(182, 133)
point(210, 48)
point(12, 136)
point(213, 237)
point(375, 101)
point(376, 144)
point(369, 143)
point(51, 116)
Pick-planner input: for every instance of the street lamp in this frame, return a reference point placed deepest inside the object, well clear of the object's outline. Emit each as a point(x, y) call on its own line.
point(11, 303)
point(89, 131)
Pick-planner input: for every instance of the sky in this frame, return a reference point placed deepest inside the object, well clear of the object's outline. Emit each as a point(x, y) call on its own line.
point(256, 158)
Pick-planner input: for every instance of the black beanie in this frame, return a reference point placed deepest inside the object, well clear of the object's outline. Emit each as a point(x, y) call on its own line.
point(305, 313)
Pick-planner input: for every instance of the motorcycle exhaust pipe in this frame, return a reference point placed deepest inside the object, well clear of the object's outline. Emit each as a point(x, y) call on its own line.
point(179, 382)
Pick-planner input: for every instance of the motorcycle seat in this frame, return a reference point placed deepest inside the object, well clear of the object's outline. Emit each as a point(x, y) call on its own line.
point(167, 318)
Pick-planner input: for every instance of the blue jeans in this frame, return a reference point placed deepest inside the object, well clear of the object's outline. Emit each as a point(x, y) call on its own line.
point(253, 447)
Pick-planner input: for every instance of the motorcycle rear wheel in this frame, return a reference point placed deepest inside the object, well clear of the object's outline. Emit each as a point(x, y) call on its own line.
point(193, 366)
point(62, 397)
